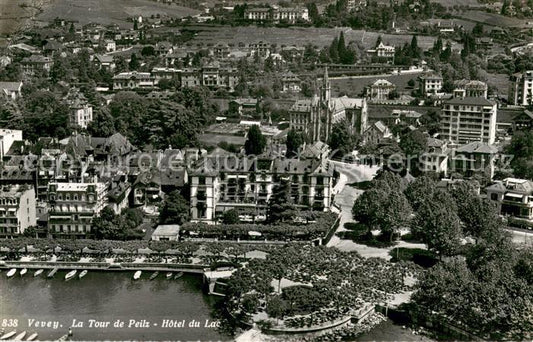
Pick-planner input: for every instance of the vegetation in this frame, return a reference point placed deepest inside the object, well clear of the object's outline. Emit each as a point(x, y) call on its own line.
point(110, 226)
point(255, 142)
point(321, 225)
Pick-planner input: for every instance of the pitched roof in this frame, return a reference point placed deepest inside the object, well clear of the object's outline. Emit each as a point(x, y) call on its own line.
point(477, 147)
point(10, 86)
point(476, 101)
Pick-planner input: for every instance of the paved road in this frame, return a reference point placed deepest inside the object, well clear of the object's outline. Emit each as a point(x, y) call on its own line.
point(344, 198)
point(521, 236)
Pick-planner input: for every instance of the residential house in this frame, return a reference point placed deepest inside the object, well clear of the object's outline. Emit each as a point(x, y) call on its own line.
point(80, 110)
point(11, 90)
point(435, 158)
point(133, 80)
point(243, 107)
point(376, 133)
point(290, 82)
point(380, 90)
point(521, 89)
point(430, 84)
point(475, 158)
point(7, 138)
point(17, 209)
point(36, 64)
point(514, 197)
point(523, 121)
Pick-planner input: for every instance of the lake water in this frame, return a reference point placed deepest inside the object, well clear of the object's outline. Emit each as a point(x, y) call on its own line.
point(148, 310)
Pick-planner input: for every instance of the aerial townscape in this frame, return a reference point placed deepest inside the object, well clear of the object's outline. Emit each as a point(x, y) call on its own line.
point(292, 170)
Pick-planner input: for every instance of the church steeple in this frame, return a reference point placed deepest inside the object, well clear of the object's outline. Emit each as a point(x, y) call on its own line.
point(325, 92)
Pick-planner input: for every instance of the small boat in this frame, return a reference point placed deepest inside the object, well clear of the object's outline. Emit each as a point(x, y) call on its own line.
point(137, 275)
point(154, 275)
point(178, 275)
point(83, 274)
point(169, 275)
point(32, 337)
point(11, 272)
point(8, 335)
point(38, 272)
point(70, 275)
point(20, 336)
point(23, 271)
point(52, 272)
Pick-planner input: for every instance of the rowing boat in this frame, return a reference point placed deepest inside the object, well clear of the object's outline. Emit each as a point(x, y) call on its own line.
point(32, 337)
point(52, 272)
point(83, 274)
point(8, 335)
point(70, 275)
point(38, 272)
point(137, 275)
point(169, 275)
point(154, 275)
point(178, 275)
point(20, 336)
point(11, 272)
point(23, 271)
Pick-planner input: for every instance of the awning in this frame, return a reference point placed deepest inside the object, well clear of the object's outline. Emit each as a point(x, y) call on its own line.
point(514, 195)
point(254, 233)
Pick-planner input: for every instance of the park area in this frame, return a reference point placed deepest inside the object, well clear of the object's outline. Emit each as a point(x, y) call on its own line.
point(308, 288)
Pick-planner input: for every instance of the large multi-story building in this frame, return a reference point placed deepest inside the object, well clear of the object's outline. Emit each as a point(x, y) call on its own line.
point(468, 119)
point(513, 196)
point(521, 89)
point(7, 138)
point(17, 209)
point(315, 117)
point(220, 184)
point(276, 14)
point(73, 207)
point(133, 80)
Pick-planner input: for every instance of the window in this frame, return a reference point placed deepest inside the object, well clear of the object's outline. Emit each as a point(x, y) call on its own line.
point(494, 197)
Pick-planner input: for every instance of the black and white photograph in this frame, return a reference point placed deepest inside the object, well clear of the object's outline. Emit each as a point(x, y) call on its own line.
point(266, 170)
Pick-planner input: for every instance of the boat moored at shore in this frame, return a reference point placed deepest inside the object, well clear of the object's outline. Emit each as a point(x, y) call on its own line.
point(70, 274)
point(20, 336)
point(52, 272)
point(32, 337)
point(137, 275)
point(154, 275)
point(169, 275)
point(11, 272)
point(23, 271)
point(38, 272)
point(83, 274)
point(8, 335)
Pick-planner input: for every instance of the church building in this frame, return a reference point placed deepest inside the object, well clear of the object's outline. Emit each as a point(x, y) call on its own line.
point(316, 116)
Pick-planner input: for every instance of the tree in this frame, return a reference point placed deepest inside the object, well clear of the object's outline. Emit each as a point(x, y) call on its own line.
point(477, 31)
point(175, 209)
point(230, 217)
point(415, 50)
point(294, 141)
point(521, 148)
point(148, 51)
point(438, 224)
point(134, 63)
point(394, 213)
point(413, 143)
point(341, 141)
point(103, 124)
point(420, 191)
point(281, 206)
point(255, 142)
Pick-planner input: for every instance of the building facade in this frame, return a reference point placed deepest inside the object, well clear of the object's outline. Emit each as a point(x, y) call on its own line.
point(315, 117)
point(468, 119)
point(7, 138)
point(514, 197)
point(521, 89)
point(73, 207)
point(220, 184)
point(17, 209)
point(430, 84)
